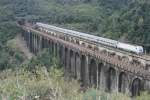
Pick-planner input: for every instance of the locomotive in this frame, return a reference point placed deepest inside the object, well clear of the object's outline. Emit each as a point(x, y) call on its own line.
point(99, 40)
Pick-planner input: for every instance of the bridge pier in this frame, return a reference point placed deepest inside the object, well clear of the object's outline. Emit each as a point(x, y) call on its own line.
point(40, 44)
point(72, 63)
point(32, 44)
point(57, 50)
point(78, 66)
point(84, 70)
point(63, 56)
point(37, 45)
point(60, 54)
point(68, 62)
point(33, 36)
point(29, 44)
point(99, 69)
point(43, 45)
point(53, 48)
point(103, 77)
point(36, 39)
point(66, 58)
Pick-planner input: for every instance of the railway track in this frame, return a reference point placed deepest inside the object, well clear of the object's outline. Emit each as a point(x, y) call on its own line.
point(129, 54)
point(147, 58)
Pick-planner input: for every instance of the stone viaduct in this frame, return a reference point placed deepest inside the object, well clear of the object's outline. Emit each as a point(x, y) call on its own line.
point(82, 60)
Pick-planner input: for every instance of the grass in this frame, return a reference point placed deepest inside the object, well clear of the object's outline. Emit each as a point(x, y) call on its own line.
point(42, 85)
point(21, 84)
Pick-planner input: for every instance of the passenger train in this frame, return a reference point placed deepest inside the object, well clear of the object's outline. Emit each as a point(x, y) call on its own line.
point(100, 40)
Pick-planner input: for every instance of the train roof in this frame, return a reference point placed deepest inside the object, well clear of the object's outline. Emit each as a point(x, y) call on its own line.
point(75, 33)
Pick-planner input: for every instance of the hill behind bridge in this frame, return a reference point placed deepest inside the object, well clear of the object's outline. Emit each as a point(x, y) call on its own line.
point(126, 20)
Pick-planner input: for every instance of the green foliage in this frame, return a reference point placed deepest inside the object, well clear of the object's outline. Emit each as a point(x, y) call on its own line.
point(125, 20)
point(130, 21)
point(144, 96)
point(8, 30)
point(44, 58)
point(10, 56)
point(21, 84)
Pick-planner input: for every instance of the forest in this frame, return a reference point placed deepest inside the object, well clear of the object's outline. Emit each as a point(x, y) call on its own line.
point(125, 20)
point(122, 20)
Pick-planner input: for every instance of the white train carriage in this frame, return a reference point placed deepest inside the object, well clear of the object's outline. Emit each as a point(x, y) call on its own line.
point(92, 38)
point(108, 42)
point(131, 48)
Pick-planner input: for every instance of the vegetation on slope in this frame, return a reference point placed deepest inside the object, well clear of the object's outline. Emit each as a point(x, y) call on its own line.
point(48, 83)
point(41, 79)
point(127, 20)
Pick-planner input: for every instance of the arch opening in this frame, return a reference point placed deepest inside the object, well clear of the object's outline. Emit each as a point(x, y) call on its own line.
point(46, 43)
point(78, 66)
point(93, 73)
point(83, 70)
point(56, 50)
point(100, 65)
point(65, 61)
point(52, 47)
point(71, 62)
point(30, 42)
point(49, 45)
point(123, 82)
point(38, 43)
point(61, 54)
point(136, 87)
point(111, 80)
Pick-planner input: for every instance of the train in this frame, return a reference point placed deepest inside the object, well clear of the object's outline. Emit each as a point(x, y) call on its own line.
point(96, 39)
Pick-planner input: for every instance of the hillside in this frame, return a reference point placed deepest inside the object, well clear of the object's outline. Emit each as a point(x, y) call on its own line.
point(126, 20)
